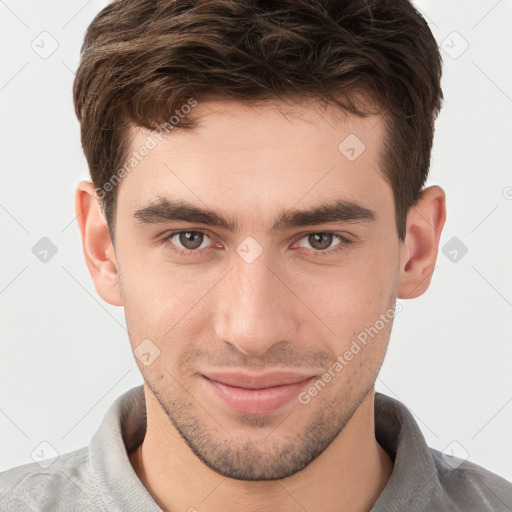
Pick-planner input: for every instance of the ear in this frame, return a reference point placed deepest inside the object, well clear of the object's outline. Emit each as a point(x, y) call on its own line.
point(425, 222)
point(97, 244)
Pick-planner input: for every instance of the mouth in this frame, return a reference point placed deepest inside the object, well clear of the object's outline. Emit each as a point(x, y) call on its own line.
point(255, 394)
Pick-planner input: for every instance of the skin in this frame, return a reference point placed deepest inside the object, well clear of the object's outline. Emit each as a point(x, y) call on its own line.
point(291, 307)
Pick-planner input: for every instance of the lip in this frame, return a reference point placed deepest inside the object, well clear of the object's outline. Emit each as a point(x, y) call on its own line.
point(254, 381)
point(255, 394)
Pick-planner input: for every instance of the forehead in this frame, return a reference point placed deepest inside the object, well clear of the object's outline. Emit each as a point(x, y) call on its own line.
point(257, 160)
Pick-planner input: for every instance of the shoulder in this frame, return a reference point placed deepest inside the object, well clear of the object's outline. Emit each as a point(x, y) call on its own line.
point(465, 486)
point(65, 484)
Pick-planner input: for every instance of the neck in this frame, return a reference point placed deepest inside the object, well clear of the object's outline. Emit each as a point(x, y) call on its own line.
point(349, 475)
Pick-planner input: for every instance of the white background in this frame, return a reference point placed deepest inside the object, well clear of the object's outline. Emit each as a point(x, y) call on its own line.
point(65, 353)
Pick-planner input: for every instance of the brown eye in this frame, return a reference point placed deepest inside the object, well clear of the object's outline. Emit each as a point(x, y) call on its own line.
point(191, 240)
point(320, 241)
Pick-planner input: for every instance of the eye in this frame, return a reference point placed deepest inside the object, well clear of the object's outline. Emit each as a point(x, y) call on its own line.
point(186, 242)
point(322, 242)
point(190, 240)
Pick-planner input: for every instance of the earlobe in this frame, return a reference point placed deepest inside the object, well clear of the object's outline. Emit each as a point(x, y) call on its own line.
point(425, 223)
point(97, 244)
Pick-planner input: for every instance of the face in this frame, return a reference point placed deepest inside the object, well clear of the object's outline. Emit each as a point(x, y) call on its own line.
point(254, 251)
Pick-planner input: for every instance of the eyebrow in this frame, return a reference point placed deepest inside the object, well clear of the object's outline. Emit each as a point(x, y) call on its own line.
point(164, 210)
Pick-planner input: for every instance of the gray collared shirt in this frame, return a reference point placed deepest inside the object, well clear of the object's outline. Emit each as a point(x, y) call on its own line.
point(99, 477)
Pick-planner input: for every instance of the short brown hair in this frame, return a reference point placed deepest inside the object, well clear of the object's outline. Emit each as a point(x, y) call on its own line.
point(143, 59)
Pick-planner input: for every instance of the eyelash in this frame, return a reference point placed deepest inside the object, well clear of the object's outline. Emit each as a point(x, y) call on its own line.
point(166, 240)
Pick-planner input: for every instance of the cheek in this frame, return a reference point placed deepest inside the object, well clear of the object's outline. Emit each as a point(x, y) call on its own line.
point(351, 295)
point(164, 303)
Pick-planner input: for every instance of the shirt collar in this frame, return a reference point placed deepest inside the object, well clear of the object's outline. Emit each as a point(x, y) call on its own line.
point(121, 430)
point(414, 475)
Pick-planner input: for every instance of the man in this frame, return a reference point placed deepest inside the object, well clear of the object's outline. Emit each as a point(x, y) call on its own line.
point(257, 206)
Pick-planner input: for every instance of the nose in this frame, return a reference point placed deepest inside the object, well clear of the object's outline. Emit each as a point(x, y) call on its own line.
point(255, 309)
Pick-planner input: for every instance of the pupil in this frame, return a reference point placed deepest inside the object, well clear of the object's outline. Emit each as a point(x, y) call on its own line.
point(320, 241)
point(191, 239)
